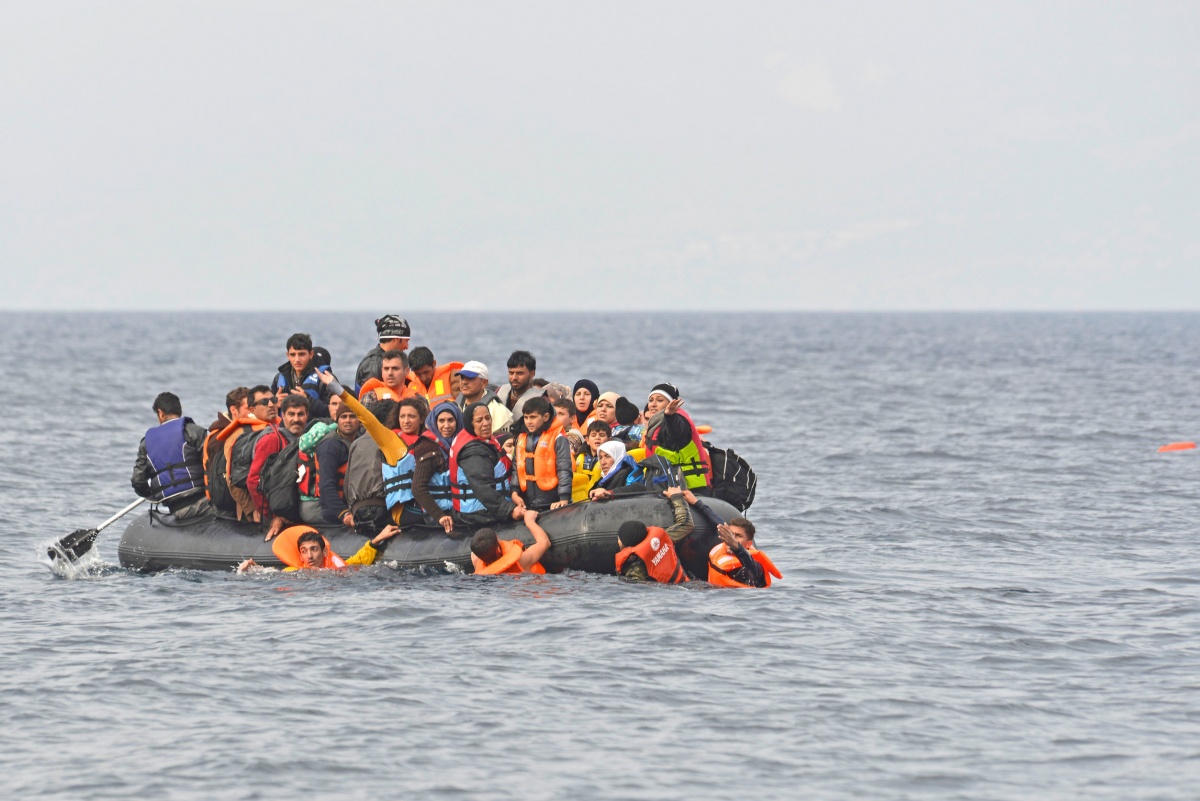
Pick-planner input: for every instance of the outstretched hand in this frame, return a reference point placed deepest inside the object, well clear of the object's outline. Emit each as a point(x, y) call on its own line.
point(673, 406)
point(726, 535)
point(386, 534)
point(326, 377)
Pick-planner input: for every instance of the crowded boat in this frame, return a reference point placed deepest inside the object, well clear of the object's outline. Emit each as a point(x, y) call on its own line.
point(436, 455)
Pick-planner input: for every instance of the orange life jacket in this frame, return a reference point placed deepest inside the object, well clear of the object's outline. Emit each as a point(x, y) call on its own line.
point(230, 433)
point(722, 562)
point(582, 429)
point(657, 551)
point(288, 551)
point(545, 471)
point(439, 386)
point(384, 392)
point(510, 554)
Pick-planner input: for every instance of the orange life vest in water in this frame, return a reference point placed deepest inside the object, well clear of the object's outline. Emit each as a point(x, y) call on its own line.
point(439, 386)
point(657, 551)
point(510, 554)
point(722, 562)
point(545, 470)
point(288, 551)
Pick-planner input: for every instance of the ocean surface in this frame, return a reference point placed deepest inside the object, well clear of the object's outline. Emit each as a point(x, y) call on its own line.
point(992, 579)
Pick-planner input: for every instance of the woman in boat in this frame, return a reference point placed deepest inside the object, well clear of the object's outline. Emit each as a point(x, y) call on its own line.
point(479, 472)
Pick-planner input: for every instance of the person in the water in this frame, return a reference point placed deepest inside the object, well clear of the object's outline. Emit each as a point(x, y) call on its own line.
point(303, 548)
point(648, 552)
point(735, 561)
point(491, 556)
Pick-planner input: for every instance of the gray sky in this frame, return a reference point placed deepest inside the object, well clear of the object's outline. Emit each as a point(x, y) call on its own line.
point(591, 156)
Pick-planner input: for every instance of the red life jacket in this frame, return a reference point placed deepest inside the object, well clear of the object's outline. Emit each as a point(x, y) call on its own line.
point(439, 386)
point(657, 551)
point(722, 562)
point(459, 487)
point(545, 471)
point(288, 551)
point(509, 561)
point(310, 484)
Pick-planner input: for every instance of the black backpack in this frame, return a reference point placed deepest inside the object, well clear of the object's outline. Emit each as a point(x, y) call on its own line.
point(655, 472)
point(733, 478)
point(280, 477)
point(218, 490)
point(242, 455)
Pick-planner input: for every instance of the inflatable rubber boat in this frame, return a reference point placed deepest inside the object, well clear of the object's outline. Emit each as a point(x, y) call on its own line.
point(583, 537)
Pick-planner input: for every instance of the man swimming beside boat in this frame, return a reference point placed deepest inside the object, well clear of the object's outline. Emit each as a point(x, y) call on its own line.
point(303, 548)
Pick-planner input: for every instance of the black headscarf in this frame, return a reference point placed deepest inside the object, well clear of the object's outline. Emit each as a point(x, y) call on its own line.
point(590, 386)
point(469, 417)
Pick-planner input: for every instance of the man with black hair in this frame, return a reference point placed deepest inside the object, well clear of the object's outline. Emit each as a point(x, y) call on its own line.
point(437, 382)
point(393, 333)
point(169, 467)
point(492, 556)
point(521, 369)
point(735, 561)
point(293, 414)
point(298, 375)
point(648, 552)
point(394, 383)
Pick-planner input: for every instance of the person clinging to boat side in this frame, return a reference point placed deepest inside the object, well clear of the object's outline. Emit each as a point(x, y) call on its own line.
point(169, 467)
point(491, 555)
point(648, 552)
point(735, 561)
point(303, 548)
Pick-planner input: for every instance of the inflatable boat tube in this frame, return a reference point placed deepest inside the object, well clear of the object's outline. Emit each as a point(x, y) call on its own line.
point(583, 536)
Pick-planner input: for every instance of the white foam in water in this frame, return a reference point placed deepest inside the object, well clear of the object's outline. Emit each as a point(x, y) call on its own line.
point(87, 566)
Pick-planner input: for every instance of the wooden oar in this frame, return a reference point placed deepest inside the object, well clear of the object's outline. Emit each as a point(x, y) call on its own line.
point(80, 541)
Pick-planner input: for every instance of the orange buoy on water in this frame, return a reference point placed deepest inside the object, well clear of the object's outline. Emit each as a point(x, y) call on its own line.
point(1177, 446)
point(704, 429)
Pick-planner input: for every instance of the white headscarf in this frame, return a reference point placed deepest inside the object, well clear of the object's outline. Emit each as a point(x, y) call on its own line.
point(616, 449)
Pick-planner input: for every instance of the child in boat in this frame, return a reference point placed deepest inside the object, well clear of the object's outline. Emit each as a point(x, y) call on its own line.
point(303, 548)
point(648, 552)
point(543, 459)
point(735, 561)
point(491, 556)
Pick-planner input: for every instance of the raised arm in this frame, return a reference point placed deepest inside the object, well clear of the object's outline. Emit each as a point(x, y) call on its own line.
point(541, 542)
point(390, 444)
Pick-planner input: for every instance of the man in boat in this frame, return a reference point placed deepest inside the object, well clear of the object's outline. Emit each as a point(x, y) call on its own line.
point(436, 382)
point(169, 467)
point(298, 375)
point(735, 561)
point(491, 556)
point(293, 414)
point(473, 388)
point(303, 548)
point(323, 480)
point(394, 383)
point(648, 552)
point(393, 333)
point(520, 387)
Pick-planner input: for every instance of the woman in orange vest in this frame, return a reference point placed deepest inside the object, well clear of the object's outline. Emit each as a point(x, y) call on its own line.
point(648, 552)
point(735, 562)
point(491, 556)
point(584, 397)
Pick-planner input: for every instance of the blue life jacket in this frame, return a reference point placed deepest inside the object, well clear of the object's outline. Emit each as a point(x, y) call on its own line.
point(311, 384)
point(465, 496)
point(177, 465)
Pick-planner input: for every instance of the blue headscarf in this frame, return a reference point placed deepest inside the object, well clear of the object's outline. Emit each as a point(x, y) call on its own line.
point(431, 422)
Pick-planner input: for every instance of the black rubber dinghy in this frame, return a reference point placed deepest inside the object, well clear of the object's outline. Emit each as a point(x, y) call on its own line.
point(583, 537)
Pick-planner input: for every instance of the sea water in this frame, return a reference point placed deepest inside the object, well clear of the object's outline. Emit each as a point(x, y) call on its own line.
point(992, 578)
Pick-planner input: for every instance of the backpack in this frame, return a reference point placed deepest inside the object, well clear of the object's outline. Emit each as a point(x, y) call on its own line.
point(733, 478)
point(280, 475)
point(242, 456)
point(657, 473)
point(218, 490)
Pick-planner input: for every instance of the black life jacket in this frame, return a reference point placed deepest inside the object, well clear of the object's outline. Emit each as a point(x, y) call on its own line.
point(243, 454)
point(218, 489)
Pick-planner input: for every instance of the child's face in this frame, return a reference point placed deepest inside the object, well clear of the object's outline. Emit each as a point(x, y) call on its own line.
point(596, 438)
point(563, 416)
point(534, 421)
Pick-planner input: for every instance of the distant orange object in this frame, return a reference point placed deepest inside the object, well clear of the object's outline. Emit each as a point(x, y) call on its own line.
point(704, 429)
point(1177, 446)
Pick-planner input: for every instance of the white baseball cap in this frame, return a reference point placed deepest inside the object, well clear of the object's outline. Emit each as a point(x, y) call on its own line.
point(474, 370)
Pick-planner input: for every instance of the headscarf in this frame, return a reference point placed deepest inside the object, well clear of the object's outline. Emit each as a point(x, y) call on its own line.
point(616, 449)
point(431, 422)
point(611, 397)
point(590, 386)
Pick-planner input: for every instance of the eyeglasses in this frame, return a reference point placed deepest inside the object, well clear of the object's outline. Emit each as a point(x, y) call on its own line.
point(265, 402)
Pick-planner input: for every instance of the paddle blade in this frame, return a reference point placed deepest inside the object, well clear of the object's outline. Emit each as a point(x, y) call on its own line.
point(1177, 446)
point(74, 545)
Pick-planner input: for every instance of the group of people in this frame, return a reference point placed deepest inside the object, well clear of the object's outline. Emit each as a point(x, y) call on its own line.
point(418, 443)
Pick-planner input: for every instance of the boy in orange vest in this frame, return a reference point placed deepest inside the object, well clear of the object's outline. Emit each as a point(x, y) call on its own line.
point(542, 462)
point(490, 556)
